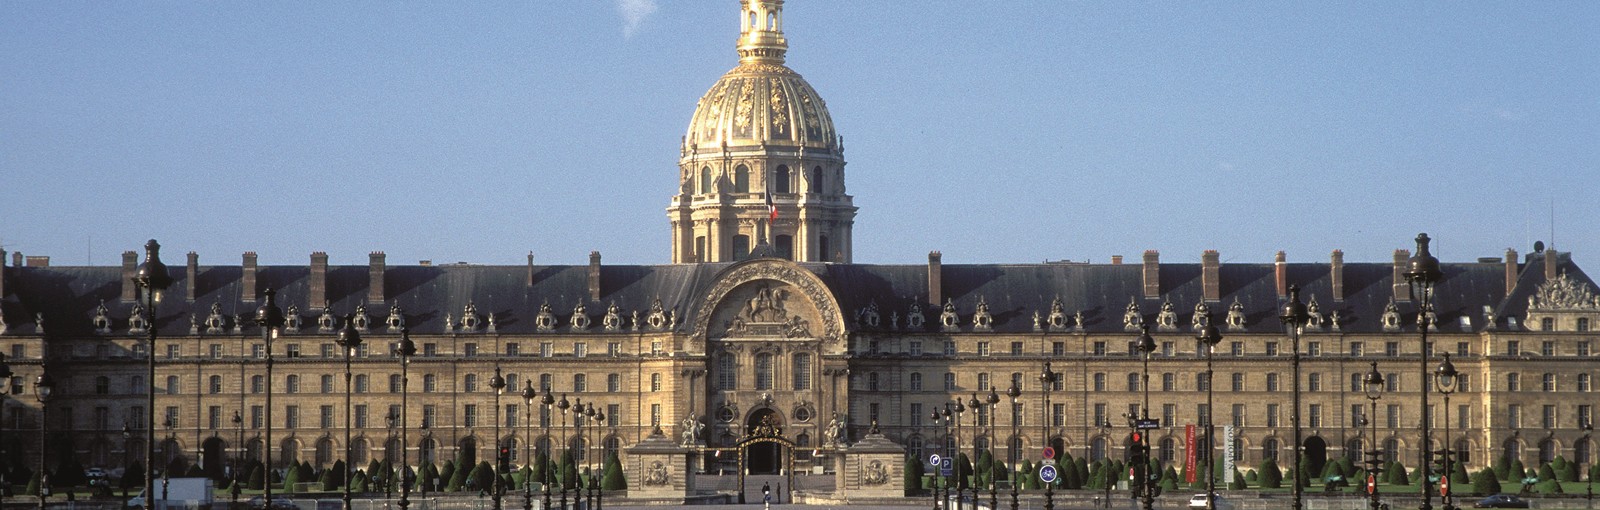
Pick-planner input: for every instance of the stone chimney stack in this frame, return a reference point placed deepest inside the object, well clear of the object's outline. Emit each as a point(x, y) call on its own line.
point(1280, 274)
point(1211, 275)
point(38, 261)
point(318, 298)
point(375, 269)
point(16, 260)
point(1116, 260)
point(3, 278)
point(936, 278)
point(1511, 270)
point(1152, 274)
point(1402, 292)
point(594, 276)
point(1336, 274)
point(530, 269)
point(247, 280)
point(193, 275)
point(1552, 264)
point(130, 267)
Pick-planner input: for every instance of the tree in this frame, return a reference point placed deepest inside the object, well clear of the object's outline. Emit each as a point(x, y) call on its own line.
point(1502, 467)
point(963, 471)
point(1516, 471)
point(1397, 474)
point(1546, 472)
point(612, 478)
point(913, 476)
point(1269, 477)
point(291, 478)
point(333, 478)
point(1485, 482)
point(360, 482)
point(258, 477)
point(984, 468)
point(482, 477)
point(131, 477)
point(1238, 481)
point(68, 473)
point(1458, 475)
point(1252, 476)
point(33, 484)
point(541, 466)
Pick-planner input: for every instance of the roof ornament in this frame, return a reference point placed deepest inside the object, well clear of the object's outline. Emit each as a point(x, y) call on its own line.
point(868, 316)
point(1058, 314)
point(1167, 320)
point(613, 319)
point(291, 317)
point(656, 320)
point(1563, 293)
point(326, 322)
point(580, 317)
point(396, 319)
point(1391, 316)
point(1236, 315)
point(38, 322)
point(546, 320)
point(1077, 321)
point(469, 318)
point(361, 321)
point(981, 320)
point(215, 322)
point(102, 319)
point(914, 317)
point(1202, 315)
point(948, 320)
point(490, 328)
point(1132, 318)
point(1314, 313)
point(2, 322)
point(1488, 317)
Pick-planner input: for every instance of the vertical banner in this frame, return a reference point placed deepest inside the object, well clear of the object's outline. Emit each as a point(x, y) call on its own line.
point(1188, 454)
point(1227, 455)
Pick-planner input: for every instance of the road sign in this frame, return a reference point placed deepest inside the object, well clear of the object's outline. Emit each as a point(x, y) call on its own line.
point(1048, 462)
point(1047, 473)
point(1049, 452)
point(1147, 424)
point(947, 467)
point(933, 460)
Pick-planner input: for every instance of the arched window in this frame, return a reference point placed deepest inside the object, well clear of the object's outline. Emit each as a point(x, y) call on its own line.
point(292, 384)
point(772, 21)
point(816, 180)
point(705, 180)
point(1097, 449)
point(741, 179)
point(764, 371)
point(780, 180)
point(802, 371)
point(1269, 449)
point(785, 245)
point(752, 19)
point(725, 373)
point(1169, 449)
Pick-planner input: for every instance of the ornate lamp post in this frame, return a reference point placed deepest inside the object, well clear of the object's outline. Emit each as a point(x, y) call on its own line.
point(152, 279)
point(948, 453)
point(1047, 383)
point(588, 460)
point(391, 421)
point(238, 462)
point(566, 447)
point(1208, 338)
point(350, 340)
point(498, 384)
point(1372, 385)
point(406, 349)
point(994, 497)
point(1422, 272)
point(1147, 345)
point(270, 318)
point(1015, 393)
point(1294, 318)
point(961, 479)
point(166, 451)
point(127, 439)
point(1588, 476)
point(1447, 378)
point(549, 406)
point(5, 388)
point(596, 474)
point(44, 389)
point(937, 472)
point(977, 416)
point(527, 443)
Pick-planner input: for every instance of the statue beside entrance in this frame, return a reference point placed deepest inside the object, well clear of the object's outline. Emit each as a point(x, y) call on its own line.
point(691, 430)
point(836, 431)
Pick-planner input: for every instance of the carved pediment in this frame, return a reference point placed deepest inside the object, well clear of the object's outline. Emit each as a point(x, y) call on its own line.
point(1563, 293)
point(808, 309)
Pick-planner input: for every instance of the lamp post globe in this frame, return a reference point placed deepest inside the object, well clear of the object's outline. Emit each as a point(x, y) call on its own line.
point(1294, 317)
point(152, 280)
point(1015, 392)
point(1372, 385)
point(44, 390)
point(1422, 272)
point(1208, 338)
point(1447, 379)
point(498, 384)
point(994, 497)
point(405, 348)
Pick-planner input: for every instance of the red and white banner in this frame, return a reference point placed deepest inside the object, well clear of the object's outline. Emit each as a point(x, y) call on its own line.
point(1189, 453)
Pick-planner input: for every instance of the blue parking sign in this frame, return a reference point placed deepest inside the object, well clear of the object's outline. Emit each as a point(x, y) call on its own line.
point(946, 467)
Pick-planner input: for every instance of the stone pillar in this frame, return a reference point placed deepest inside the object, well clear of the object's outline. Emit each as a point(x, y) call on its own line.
point(659, 471)
point(872, 470)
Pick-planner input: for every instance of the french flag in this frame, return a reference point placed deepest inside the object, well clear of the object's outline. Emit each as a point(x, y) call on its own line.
point(772, 208)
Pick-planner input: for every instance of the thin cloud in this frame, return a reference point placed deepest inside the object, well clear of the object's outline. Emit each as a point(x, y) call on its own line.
point(633, 14)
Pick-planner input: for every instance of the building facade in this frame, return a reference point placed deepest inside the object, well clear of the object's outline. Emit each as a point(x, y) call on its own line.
point(763, 322)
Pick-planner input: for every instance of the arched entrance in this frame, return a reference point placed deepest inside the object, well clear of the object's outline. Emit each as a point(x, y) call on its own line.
point(765, 457)
point(211, 453)
point(1316, 452)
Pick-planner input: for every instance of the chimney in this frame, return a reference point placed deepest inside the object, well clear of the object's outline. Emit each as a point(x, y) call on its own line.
point(1402, 292)
point(16, 260)
point(130, 267)
point(1152, 274)
point(3, 279)
point(1116, 260)
point(1336, 274)
point(193, 276)
point(1280, 273)
point(530, 269)
point(594, 276)
point(38, 261)
point(375, 267)
point(247, 282)
point(1511, 270)
point(936, 278)
point(1211, 274)
point(1552, 263)
point(318, 298)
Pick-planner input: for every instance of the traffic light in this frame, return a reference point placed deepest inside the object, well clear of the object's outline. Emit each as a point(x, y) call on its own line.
point(504, 459)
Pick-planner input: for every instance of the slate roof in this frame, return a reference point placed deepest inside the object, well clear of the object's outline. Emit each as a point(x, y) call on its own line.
point(68, 296)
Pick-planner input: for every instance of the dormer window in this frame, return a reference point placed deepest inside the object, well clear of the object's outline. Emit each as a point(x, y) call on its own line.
point(914, 318)
point(102, 319)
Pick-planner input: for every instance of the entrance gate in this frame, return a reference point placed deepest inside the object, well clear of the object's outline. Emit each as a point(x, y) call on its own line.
point(772, 450)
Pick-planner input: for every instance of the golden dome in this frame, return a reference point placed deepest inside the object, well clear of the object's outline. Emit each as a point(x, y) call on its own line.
point(761, 101)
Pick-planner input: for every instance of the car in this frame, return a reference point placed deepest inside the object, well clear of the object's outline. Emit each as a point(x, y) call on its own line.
point(1501, 501)
point(277, 504)
point(94, 473)
point(1198, 502)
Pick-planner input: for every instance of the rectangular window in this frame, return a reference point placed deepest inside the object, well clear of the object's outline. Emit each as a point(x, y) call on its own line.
point(430, 416)
point(1314, 382)
point(1513, 348)
point(1016, 348)
point(1549, 417)
point(214, 417)
point(614, 383)
point(547, 349)
point(469, 415)
point(292, 350)
point(360, 417)
point(1169, 381)
point(1464, 349)
point(914, 348)
point(949, 381)
point(216, 351)
point(1392, 420)
point(916, 415)
point(580, 383)
point(1169, 415)
point(326, 420)
point(512, 349)
point(1058, 348)
point(1238, 415)
point(256, 417)
point(469, 349)
point(613, 415)
point(950, 348)
point(328, 351)
point(1547, 348)
point(173, 351)
point(1100, 381)
point(1237, 382)
point(1236, 348)
point(1391, 349)
point(291, 417)
point(1314, 349)
point(983, 348)
point(872, 412)
point(1356, 412)
point(1272, 415)
point(614, 349)
point(1356, 349)
point(655, 415)
point(1100, 348)
point(580, 349)
point(1100, 417)
point(258, 351)
point(983, 382)
point(1058, 415)
point(1584, 416)
point(1315, 415)
point(1272, 348)
point(1464, 417)
point(1166, 349)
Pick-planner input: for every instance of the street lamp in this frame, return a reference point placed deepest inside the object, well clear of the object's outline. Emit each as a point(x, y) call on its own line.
point(529, 395)
point(498, 384)
point(1422, 272)
point(944, 449)
point(1588, 476)
point(1015, 393)
point(1047, 382)
point(1294, 318)
point(153, 279)
point(549, 401)
point(944, 480)
point(566, 447)
point(1448, 380)
point(390, 420)
point(45, 388)
point(977, 416)
point(1372, 384)
point(350, 340)
point(406, 348)
point(5, 388)
point(166, 451)
point(1147, 346)
point(961, 479)
point(233, 490)
point(270, 317)
point(127, 439)
point(598, 472)
point(994, 498)
point(1209, 337)
point(588, 457)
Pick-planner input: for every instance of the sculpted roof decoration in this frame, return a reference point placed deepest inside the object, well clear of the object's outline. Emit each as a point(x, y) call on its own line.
point(1563, 293)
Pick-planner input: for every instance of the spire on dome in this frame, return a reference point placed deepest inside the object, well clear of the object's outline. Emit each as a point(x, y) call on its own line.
point(761, 32)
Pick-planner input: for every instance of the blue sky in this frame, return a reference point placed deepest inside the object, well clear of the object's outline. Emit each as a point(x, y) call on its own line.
point(991, 131)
